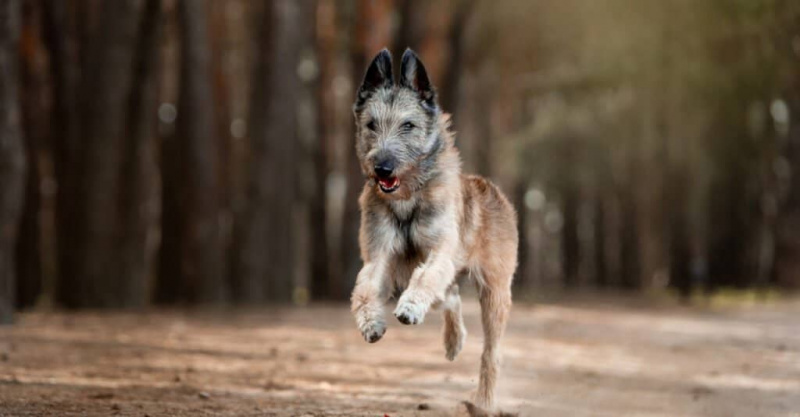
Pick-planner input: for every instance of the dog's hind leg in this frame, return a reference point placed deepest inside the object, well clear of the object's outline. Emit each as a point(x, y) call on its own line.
point(495, 298)
point(454, 330)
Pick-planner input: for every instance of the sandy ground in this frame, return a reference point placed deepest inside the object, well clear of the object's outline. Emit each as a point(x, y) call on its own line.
point(575, 359)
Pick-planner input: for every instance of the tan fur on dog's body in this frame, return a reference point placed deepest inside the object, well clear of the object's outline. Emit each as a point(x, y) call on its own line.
point(429, 236)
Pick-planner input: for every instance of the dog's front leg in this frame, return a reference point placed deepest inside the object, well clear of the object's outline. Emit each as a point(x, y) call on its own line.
point(428, 287)
point(370, 294)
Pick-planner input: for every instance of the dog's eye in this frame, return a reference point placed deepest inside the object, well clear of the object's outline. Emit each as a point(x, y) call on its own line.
point(371, 125)
point(407, 126)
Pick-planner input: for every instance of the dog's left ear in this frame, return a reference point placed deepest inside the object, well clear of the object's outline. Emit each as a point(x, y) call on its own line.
point(379, 75)
point(413, 76)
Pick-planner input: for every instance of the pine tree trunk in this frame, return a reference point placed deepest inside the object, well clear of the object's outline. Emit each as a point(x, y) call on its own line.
point(60, 34)
point(201, 256)
point(679, 235)
point(630, 255)
point(264, 235)
point(139, 199)
point(35, 129)
point(570, 243)
point(169, 287)
point(221, 29)
point(600, 231)
point(107, 81)
point(324, 280)
point(451, 80)
point(12, 155)
point(310, 249)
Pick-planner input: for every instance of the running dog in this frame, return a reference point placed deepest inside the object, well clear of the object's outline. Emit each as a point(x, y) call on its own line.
point(425, 226)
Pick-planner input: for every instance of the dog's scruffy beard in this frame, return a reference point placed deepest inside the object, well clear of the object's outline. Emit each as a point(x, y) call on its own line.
point(411, 179)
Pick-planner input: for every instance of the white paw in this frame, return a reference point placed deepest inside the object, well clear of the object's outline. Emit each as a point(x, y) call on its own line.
point(373, 331)
point(410, 313)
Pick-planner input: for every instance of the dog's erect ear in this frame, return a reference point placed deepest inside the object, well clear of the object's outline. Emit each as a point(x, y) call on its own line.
point(379, 75)
point(414, 77)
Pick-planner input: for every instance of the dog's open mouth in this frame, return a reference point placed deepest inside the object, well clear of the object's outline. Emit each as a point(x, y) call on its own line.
point(389, 184)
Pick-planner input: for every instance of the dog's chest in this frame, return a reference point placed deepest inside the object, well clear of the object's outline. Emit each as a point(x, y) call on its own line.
point(404, 209)
point(413, 231)
point(410, 254)
point(410, 249)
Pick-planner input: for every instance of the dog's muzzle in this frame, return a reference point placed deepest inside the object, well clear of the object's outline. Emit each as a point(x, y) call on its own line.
point(384, 175)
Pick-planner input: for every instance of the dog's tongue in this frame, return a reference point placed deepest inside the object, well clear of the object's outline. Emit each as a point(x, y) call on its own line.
point(388, 183)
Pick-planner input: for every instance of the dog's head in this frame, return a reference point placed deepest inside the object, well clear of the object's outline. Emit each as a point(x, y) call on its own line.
point(397, 125)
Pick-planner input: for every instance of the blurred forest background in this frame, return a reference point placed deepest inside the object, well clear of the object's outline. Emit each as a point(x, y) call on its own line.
point(201, 152)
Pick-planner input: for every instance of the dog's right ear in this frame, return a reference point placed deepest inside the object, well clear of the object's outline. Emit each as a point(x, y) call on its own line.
point(379, 75)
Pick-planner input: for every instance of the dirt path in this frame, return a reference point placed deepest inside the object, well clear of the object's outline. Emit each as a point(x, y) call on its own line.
point(569, 360)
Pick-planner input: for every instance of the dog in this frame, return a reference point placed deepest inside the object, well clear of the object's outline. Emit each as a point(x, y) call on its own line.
point(426, 228)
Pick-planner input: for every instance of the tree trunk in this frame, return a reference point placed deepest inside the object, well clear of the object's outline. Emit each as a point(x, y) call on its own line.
point(570, 241)
point(679, 236)
point(224, 82)
point(264, 243)
point(106, 83)
point(34, 125)
point(200, 256)
point(169, 287)
point(451, 80)
point(61, 40)
point(12, 154)
point(28, 250)
point(139, 201)
point(630, 255)
point(412, 27)
point(728, 264)
point(323, 281)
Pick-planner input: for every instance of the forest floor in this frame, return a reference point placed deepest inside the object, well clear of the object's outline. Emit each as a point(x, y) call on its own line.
point(570, 359)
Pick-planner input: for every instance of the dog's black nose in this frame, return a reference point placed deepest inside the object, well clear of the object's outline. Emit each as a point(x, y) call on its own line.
point(384, 169)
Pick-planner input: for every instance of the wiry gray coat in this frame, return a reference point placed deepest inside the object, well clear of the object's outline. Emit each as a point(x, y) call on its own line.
point(427, 227)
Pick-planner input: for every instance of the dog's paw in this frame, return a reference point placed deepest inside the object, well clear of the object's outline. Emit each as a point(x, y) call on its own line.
point(452, 352)
point(453, 343)
point(410, 313)
point(374, 331)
